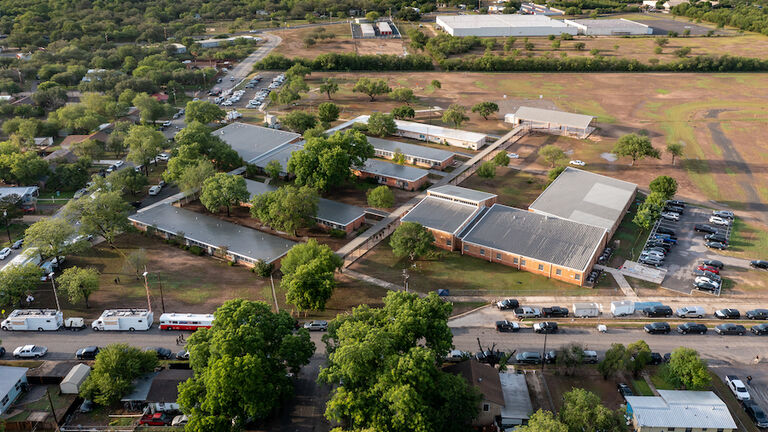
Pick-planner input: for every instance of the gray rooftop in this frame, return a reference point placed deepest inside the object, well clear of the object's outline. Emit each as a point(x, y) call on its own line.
point(681, 409)
point(215, 232)
point(549, 239)
point(281, 154)
point(585, 197)
point(441, 214)
point(251, 141)
point(423, 152)
point(437, 131)
point(141, 387)
point(258, 188)
point(542, 115)
point(462, 193)
point(9, 376)
point(482, 21)
point(517, 401)
point(388, 169)
point(610, 24)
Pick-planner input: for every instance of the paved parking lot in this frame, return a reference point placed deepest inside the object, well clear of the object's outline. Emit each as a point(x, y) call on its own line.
point(662, 27)
point(250, 93)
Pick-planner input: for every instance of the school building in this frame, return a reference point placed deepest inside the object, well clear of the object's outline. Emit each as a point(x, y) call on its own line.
point(390, 174)
point(422, 156)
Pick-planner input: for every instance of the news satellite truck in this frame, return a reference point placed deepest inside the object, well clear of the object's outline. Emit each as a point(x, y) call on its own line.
point(123, 319)
point(33, 319)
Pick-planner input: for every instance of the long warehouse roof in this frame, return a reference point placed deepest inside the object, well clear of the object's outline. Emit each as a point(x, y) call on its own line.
point(541, 115)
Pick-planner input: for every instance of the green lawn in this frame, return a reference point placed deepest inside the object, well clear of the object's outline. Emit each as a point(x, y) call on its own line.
point(463, 275)
point(629, 237)
point(514, 188)
point(747, 241)
point(642, 388)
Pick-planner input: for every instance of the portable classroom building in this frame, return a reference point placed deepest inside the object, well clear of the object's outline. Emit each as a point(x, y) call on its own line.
point(366, 30)
point(384, 29)
point(586, 310)
point(33, 319)
point(622, 308)
point(74, 379)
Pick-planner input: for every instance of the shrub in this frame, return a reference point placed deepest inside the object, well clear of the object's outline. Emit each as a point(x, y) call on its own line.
point(336, 233)
point(196, 250)
point(263, 269)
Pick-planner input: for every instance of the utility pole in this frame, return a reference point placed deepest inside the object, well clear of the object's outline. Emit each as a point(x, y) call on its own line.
point(53, 409)
point(146, 287)
point(544, 354)
point(162, 299)
point(7, 225)
point(55, 295)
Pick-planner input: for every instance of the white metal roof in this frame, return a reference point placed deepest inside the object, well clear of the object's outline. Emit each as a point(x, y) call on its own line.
point(252, 141)
point(681, 409)
point(384, 27)
point(125, 313)
point(431, 130)
point(541, 115)
point(412, 150)
point(507, 20)
point(461, 193)
point(392, 170)
point(77, 374)
point(9, 376)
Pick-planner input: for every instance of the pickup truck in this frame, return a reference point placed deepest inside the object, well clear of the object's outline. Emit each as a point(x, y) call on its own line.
point(737, 387)
point(554, 312)
point(527, 312)
point(30, 351)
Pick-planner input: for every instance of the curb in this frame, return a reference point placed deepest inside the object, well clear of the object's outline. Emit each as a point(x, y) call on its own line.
point(451, 318)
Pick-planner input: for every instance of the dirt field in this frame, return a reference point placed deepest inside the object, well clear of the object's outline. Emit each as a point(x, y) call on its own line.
point(293, 43)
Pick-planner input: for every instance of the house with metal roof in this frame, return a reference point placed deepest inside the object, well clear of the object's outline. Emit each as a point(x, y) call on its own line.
point(588, 198)
point(463, 195)
point(550, 246)
point(679, 410)
point(23, 196)
point(430, 133)
point(251, 141)
point(418, 155)
point(215, 236)
point(390, 174)
point(443, 218)
point(552, 121)
point(12, 383)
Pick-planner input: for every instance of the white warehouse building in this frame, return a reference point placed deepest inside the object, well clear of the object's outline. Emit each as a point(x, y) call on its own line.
point(503, 25)
point(610, 27)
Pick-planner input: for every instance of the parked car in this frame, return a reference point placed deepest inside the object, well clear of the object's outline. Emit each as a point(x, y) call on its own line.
point(714, 270)
point(730, 329)
point(760, 329)
point(677, 203)
point(87, 353)
point(716, 245)
point(665, 230)
point(716, 237)
point(182, 355)
point(690, 312)
point(657, 328)
point(690, 327)
point(528, 357)
point(17, 244)
point(707, 274)
point(590, 357)
point(717, 220)
point(456, 356)
point(513, 155)
point(180, 420)
point(651, 261)
point(156, 419)
point(705, 286)
point(154, 190)
point(737, 387)
point(545, 327)
point(727, 314)
point(706, 280)
point(759, 314)
point(2, 352)
point(4, 253)
point(671, 216)
point(508, 304)
point(658, 311)
point(555, 312)
point(624, 390)
point(656, 358)
point(527, 312)
point(489, 356)
point(713, 263)
point(162, 353)
point(507, 326)
point(759, 264)
point(550, 357)
point(577, 162)
point(316, 326)
point(674, 208)
point(756, 413)
point(163, 157)
point(30, 351)
point(705, 228)
point(726, 214)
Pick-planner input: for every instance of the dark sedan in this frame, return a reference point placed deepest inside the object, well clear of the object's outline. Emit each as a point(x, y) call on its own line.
point(716, 245)
point(87, 353)
point(713, 263)
point(624, 390)
point(730, 329)
point(690, 327)
point(760, 329)
point(528, 358)
point(657, 328)
point(759, 264)
point(757, 314)
point(507, 327)
point(162, 353)
point(727, 314)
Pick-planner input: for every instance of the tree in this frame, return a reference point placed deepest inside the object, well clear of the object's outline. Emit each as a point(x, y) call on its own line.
point(402, 94)
point(203, 112)
point(579, 46)
point(308, 278)
point(487, 170)
point(327, 112)
point(129, 179)
point(455, 115)
point(287, 208)
point(636, 147)
point(223, 190)
point(299, 121)
point(661, 41)
point(615, 361)
point(273, 169)
point(144, 144)
point(501, 158)
point(676, 150)
point(435, 84)
point(372, 16)
point(583, 411)
point(51, 236)
point(381, 124)
point(113, 372)
point(193, 177)
point(403, 112)
point(485, 109)
point(116, 140)
point(136, 261)
point(298, 70)
point(149, 108)
point(664, 185)
point(329, 87)
point(384, 366)
point(241, 366)
point(639, 355)
point(552, 154)
point(555, 172)
point(326, 162)
point(371, 87)
point(543, 421)
point(100, 214)
point(570, 356)
point(381, 197)
point(411, 240)
point(17, 281)
point(79, 283)
point(688, 370)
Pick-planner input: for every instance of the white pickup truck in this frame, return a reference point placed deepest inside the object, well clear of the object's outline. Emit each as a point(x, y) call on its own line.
point(737, 387)
point(30, 351)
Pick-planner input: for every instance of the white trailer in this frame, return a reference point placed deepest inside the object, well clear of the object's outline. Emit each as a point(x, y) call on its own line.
point(33, 319)
point(124, 319)
point(586, 310)
point(622, 308)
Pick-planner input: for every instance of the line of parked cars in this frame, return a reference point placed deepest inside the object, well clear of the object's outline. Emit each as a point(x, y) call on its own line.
point(663, 236)
point(707, 276)
point(699, 312)
point(753, 410)
point(718, 231)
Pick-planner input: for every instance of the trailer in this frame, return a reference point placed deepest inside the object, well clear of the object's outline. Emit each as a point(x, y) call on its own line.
point(33, 319)
point(184, 321)
point(586, 310)
point(622, 308)
point(124, 319)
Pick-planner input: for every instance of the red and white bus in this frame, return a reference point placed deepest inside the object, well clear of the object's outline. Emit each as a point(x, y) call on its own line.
point(182, 321)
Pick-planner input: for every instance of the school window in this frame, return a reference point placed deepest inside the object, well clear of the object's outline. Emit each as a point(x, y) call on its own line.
point(5, 400)
point(541, 266)
point(466, 247)
point(514, 260)
point(522, 262)
point(486, 407)
point(577, 276)
point(498, 256)
point(448, 242)
point(559, 272)
point(482, 252)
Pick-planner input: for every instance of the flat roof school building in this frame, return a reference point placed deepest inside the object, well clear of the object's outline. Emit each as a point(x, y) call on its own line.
point(610, 27)
point(464, 195)
point(435, 134)
point(390, 174)
point(552, 121)
point(251, 141)
point(243, 245)
point(281, 154)
point(444, 218)
point(588, 198)
point(502, 25)
point(414, 154)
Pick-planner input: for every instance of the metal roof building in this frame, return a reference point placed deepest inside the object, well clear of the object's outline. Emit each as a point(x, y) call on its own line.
point(441, 214)
point(387, 169)
point(610, 27)
point(680, 410)
point(210, 233)
point(502, 25)
point(12, 380)
point(552, 121)
point(281, 154)
point(251, 141)
point(546, 239)
point(586, 197)
point(430, 133)
point(75, 378)
point(414, 154)
point(461, 194)
point(517, 402)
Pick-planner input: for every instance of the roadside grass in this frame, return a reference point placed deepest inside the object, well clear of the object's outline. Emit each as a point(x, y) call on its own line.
point(31, 364)
point(747, 241)
point(639, 283)
point(642, 388)
point(515, 188)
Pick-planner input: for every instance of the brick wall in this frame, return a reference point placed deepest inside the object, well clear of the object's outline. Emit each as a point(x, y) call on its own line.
point(389, 181)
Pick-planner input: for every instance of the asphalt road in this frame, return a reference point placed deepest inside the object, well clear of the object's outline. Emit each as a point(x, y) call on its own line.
point(245, 67)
